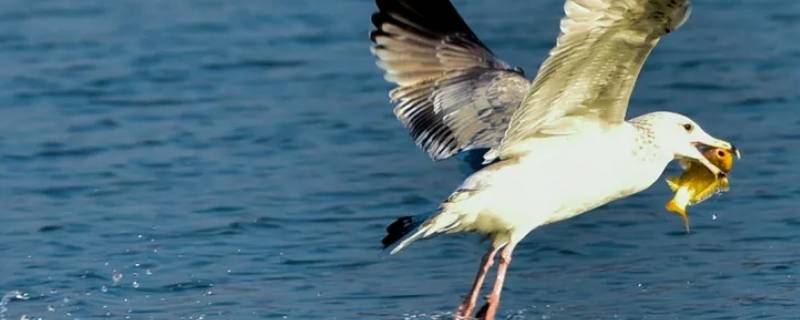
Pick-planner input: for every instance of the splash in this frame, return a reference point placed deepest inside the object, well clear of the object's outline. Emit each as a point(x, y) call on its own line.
point(8, 297)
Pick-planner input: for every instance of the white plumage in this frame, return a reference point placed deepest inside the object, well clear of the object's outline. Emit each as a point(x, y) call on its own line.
point(561, 143)
point(566, 175)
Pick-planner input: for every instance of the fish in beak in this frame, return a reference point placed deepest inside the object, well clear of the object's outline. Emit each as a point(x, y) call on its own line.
point(706, 141)
point(697, 183)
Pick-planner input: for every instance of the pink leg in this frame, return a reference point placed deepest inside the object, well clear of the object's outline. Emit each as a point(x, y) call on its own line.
point(465, 309)
point(494, 298)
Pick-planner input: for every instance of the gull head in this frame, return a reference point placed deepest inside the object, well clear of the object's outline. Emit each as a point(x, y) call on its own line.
point(684, 138)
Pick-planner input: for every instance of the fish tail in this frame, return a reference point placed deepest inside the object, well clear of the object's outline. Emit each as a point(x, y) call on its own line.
point(673, 206)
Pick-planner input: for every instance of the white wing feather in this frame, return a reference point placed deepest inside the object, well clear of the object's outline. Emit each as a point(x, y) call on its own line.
point(590, 74)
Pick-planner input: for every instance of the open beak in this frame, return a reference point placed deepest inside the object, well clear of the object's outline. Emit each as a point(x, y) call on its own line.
point(717, 143)
point(696, 155)
point(710, 142)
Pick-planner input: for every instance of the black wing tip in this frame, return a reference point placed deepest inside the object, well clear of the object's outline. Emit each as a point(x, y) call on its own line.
point(375, 33)
point(378, 18)
point(385, 4)
point(397, 230)
point(435, 16)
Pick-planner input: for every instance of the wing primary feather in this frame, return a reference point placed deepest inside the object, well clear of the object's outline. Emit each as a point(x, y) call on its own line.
point(452, 92)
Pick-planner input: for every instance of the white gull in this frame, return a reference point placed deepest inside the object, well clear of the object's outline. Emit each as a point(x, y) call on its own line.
point(560, 145)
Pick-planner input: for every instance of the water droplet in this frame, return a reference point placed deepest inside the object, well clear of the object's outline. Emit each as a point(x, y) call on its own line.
point(148, 272)
point(51, 308)
point(713, 217)
point(104, 289)
point(135, 284)
point(117, 277)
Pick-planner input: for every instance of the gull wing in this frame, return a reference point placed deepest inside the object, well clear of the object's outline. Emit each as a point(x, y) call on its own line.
point(452, 93)
point(588, 78)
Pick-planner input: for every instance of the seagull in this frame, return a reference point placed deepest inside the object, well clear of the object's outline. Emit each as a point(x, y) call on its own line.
point(558, 146)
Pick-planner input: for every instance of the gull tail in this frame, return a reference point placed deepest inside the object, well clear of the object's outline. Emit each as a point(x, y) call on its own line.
point(423, 226)
point(402, 227)
point(472, 162)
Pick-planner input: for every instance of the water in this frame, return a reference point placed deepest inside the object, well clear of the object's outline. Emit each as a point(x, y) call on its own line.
point(239, 160)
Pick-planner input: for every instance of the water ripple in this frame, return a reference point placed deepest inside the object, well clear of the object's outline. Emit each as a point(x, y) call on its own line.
point(240, 160)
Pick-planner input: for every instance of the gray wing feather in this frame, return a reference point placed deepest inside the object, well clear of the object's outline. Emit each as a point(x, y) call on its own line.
point(453, 94)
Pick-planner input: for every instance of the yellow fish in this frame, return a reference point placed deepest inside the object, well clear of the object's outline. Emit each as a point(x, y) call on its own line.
point(697, 183)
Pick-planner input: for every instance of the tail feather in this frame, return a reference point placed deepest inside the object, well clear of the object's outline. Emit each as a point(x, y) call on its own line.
point(402, 227)
point(450, 217)
point(397, 230)
point(440, 223)
point(416, 235)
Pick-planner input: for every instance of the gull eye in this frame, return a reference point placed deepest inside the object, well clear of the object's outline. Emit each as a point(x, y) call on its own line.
point(688, 127)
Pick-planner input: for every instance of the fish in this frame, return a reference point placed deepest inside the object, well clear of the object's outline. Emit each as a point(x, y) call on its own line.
point(698, 183)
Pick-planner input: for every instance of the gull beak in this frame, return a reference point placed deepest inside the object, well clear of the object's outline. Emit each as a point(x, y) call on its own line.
point(692, 153)
point(711, 142)
point(717, 143)
point(708, 141)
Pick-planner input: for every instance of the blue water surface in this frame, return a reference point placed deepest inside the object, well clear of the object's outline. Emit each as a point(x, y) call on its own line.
point(216, 159)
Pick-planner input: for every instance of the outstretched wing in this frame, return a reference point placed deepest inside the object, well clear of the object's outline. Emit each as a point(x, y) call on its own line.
point(590, 74)
point(452, 93)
